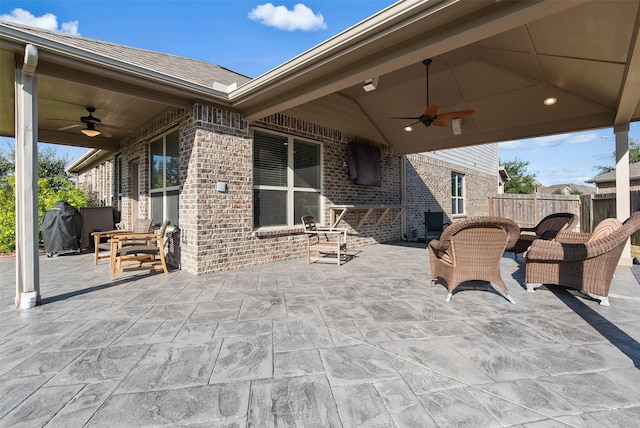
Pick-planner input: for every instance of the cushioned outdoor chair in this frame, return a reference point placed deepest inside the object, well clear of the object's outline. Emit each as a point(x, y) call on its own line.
point(547, 229)
point(323, 240)
point(582, 261)
point(470, 250)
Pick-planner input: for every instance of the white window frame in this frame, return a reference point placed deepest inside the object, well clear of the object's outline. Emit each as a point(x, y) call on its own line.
point(454, 206)
point(117, 204)
point(290, 188)
point(162, 190)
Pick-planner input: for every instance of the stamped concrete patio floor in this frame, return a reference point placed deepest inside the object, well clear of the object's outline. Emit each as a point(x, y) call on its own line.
point(371, 343)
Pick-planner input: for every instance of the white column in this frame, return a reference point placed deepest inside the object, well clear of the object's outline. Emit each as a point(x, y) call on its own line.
point(27, 263)
point(623, 196)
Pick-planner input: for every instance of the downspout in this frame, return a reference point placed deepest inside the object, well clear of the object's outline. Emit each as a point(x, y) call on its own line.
point(27, 263)
point(403, 196)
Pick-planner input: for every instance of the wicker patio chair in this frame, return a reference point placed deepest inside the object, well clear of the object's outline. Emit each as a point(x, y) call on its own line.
point(547, 228)
point(323, 240)
point(470, 250)
point(582, 261)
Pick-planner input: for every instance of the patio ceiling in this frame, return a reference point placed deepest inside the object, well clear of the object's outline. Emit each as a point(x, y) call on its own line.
point(500, 58)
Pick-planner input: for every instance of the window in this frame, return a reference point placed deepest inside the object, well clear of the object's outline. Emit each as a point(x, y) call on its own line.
point(457, 193)
point(286, 179)
point(164, 169)
point(117, 204)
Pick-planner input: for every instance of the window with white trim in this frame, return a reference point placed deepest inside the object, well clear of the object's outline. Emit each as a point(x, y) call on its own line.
point(286, 179)
point(117, 203)
point(457, 193)
point(164, 179)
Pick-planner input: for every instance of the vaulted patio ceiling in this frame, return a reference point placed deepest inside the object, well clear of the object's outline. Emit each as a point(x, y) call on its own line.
point(500, 58)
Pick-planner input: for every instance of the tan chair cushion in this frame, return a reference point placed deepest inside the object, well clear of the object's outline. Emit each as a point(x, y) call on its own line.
point(604, 228)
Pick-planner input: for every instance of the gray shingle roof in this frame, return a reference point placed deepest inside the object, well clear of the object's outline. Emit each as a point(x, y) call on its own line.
point(549, 190)
point(189, 70)
point(634, 174)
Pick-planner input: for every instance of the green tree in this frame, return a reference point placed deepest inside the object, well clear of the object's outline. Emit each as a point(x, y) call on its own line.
point(54, 185)
point(634, 156)
point(521, 180)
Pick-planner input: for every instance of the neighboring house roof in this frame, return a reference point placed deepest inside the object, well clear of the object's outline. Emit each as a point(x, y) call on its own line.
point(566, 189)
point(504, 175)
point(609, 177)
point(186, 69)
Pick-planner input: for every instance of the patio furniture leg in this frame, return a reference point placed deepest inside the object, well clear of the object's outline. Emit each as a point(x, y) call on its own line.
point(531, 287)
point(96, 249)
point(604, 301)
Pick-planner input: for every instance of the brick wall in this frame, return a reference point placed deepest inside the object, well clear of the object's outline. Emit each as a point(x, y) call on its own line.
point(216, 228)
point(610, 187)
point(428, 187)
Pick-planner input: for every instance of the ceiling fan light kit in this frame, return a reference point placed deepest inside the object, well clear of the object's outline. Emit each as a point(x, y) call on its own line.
point(90, 131)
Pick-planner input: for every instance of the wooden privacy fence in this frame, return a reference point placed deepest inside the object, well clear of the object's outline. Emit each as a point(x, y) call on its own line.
point(596, 207)
point(528, 210)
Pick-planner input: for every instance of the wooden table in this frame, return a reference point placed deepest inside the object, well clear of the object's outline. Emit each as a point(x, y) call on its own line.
point(96, 242)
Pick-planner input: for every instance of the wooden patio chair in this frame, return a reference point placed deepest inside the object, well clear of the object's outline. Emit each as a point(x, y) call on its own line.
point(138, 251)
point(324, 240)
point(470, 250)
point(582, 261)
point(102, 238)
point(547, 228)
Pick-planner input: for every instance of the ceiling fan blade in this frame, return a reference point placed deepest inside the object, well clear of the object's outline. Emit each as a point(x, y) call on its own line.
point(439, 122)
point(404, 117)
point(432, 110)
point(68, 127)
point(454, 114)
point(104, 131)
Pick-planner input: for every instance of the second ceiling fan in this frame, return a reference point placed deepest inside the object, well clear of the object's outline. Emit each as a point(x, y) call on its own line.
point(431, 115)
point(93, 125)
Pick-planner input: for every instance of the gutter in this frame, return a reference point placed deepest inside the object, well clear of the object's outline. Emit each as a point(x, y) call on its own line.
point(87, 160)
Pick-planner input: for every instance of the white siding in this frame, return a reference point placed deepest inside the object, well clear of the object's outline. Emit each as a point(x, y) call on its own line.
point(483, 158)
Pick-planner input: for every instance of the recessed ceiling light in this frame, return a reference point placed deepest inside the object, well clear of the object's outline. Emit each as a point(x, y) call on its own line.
point(550, 101)
point(408, 128)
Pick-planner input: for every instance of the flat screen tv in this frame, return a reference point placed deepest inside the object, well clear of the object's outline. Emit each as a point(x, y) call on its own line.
point(364, 164)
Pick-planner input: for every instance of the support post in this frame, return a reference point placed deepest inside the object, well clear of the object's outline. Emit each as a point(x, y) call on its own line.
point(623, 195)
point(26, 130)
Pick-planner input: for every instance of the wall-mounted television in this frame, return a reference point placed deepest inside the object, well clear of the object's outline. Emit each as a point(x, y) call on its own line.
point(364, 164)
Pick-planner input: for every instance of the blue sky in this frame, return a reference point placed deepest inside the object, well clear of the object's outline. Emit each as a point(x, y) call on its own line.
point(252, 37)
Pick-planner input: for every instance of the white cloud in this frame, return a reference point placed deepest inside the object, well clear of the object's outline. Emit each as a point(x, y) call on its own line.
point(48, 21)
point(556, 140)
point(583, 138)
point(299, 18)
point(70, 27)
point(550, 141)
point(511, 145)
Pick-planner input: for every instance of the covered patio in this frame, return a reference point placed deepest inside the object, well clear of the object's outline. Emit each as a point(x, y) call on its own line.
point(500, 59)
point(372, 343)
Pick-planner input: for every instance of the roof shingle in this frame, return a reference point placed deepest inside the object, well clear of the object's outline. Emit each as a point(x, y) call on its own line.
point(186, 69)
